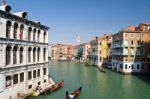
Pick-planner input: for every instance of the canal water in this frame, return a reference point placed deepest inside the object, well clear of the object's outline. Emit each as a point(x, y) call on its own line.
point(96, 85)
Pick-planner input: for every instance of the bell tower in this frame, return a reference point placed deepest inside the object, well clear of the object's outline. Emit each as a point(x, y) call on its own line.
point(3, 2)
point(78, 39)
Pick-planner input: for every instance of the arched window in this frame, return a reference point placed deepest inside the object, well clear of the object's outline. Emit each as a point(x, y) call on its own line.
point(38, 55)
point(15, 30)
point(29, 33)
point(44, 54)
point(34, 34)
point(44, 37)
point(21, 55)
point(8, 55)
point(21, 32)
point(15, 55)
point(38, 36)
point(34, 54)
point(8, 29)
point(29, 54)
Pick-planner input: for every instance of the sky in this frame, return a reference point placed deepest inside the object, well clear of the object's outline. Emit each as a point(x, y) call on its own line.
point(89, 18)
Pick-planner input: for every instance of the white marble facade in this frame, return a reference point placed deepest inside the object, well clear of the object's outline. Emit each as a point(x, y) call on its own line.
point(23, 54)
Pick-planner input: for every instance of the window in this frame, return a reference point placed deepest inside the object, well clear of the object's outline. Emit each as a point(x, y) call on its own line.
point(121, 66)
point(38, 36)
point(38, 57)
point(8, 81)
point(15, 79)
point(44, 71)
point(8, 29)
point(132, 66)
point(131, 42)
point(29, 75)
point(126, 66)
point(38, 73)
point(29, 54)
point(34, 34)
point(30, 86)
point(34, 54)
point(29, 33)
point(45, 81)
point(15, 55)
point(39, 83)
point(8, 55)
point(44, 54)
point(21, 55)
point(21, 77)
point(138, 67)
point(21, 32)
point(44, 37)
point(34, 74)
point(15, 30)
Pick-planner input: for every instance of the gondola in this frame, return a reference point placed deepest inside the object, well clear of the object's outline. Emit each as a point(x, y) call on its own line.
point(74, 94)
point(57, 86)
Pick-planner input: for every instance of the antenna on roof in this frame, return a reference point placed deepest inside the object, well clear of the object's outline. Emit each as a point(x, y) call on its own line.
point(3, 2)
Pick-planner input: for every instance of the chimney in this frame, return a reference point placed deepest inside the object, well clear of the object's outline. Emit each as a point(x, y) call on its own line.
point(3, 2)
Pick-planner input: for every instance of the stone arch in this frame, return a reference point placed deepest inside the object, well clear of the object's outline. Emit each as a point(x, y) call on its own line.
point(38, 35)
point(34, 54)
point(8, 29)
point(15, 49)
point(15, 30)
point(21, 55)
point(8, 54)
point(34, 34)
point(38, 54)
point(29, 54)
point(44, 37)
point(44, 54)
point(21, 31)
point(29, 33)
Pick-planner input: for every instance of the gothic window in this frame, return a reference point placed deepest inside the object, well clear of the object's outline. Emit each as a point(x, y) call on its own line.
point(38, 55)
point(15, 55)
point(38, 36)
point(8, 29)
point(34, 54)
point(21, 32)
point(44, 38)
point(29, 54)
point(29, 33)
point(44, 54)
point(15, 31)
point(21, 55)
point(34, 34)
point(8, 55)
point(44, 71)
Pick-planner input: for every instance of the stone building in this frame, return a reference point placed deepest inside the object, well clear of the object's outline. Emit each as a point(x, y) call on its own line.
point(24, 53)
point(61, 51)
point(131, 49)
point(100, 50)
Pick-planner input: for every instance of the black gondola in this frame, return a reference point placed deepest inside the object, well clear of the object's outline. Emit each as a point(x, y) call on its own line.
point(74, 94)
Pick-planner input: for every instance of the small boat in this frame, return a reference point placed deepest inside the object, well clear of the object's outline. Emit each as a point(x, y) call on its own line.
point(57, 86)
point(74, 94)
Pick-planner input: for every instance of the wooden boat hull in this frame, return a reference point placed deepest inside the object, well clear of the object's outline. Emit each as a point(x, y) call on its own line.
point(57, 86)
point(74, 94)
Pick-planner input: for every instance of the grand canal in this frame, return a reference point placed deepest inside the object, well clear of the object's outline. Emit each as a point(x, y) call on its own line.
point(96, 85)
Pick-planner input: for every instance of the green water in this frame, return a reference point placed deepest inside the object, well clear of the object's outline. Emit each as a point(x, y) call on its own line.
point(96, 85)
